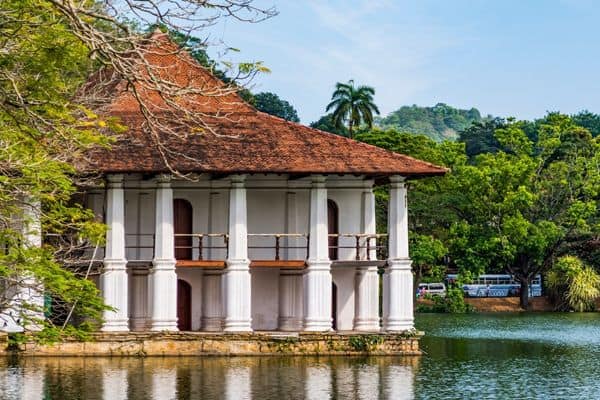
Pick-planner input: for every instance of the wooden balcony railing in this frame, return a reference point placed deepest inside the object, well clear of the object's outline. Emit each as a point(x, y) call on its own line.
point(265, 249)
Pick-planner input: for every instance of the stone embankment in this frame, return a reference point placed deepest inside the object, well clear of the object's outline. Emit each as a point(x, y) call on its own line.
point(201, 343)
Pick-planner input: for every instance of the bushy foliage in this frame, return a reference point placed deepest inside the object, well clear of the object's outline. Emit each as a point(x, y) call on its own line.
point(272, 104)
point(515, 209)
point(327, 124)
point(573, 284)
point(453, 303)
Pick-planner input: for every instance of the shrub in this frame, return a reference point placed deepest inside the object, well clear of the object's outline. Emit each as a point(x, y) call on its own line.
point(573, 285)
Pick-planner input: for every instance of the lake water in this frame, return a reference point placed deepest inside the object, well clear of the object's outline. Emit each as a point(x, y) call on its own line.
point(520, 356)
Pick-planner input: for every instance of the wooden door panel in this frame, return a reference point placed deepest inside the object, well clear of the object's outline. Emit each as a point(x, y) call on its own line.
point(333, 228)
point(182, 224)
point(184, 305)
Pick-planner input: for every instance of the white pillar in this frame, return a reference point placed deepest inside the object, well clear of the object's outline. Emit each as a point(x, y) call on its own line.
point(290, 301)
point(398, 279)
point(236, 278)
point(366, 289)
point(212, 320)
point(366, 317)
point(30, 296)
point(162, 281)
point(113, 281)
point(317, 276)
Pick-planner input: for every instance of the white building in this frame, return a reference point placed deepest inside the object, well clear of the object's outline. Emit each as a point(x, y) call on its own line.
point(273, 228)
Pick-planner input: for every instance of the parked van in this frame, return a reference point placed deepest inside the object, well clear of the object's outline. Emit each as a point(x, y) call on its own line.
point(435, 289)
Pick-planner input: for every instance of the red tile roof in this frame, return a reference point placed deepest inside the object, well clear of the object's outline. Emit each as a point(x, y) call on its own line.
point(244, 139)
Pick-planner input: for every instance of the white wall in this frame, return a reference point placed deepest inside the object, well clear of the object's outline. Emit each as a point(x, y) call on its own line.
point(343, 277)
point(265, 298)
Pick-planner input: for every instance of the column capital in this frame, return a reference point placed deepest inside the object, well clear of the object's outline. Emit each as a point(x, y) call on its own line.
point(163, 180)
point(368, 185)
point(399, 264)
point(318, 181)
point(398, 181)
point(114, 180)
point(238, 180)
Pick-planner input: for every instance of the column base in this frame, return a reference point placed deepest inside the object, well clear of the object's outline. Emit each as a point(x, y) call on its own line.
point(289, 324)
point(318, 325)
point(398, 325)
point(164, 325)
point(138, 324)
point(212, 324)
point(115, 326)
point(367, 325)
point(237, 326)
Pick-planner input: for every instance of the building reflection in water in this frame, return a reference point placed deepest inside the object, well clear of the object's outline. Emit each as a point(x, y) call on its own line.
point(208, 378)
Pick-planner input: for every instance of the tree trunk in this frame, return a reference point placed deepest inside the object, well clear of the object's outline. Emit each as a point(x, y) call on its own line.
point(350, 126)
point(524, 294)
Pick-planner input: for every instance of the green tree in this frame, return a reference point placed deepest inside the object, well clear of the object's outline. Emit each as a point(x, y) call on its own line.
point(41, 65)
point(480, 137)
point(518, 208)
point(588, 120)
point(352, 104)
point(272, 104)
point(326, 123)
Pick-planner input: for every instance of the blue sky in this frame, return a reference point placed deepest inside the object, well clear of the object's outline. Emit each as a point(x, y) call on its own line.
point(507, 58)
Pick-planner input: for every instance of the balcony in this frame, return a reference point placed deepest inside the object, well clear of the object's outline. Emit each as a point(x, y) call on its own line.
point(210, 250)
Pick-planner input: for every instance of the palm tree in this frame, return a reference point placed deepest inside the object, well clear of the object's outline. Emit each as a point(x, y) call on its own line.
point(352, 104)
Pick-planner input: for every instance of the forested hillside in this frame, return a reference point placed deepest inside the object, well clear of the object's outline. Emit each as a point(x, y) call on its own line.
point(439, 122)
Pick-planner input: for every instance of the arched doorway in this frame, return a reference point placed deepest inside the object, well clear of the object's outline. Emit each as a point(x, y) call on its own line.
point(182, 224)
point(333, 228)
point(334, 306)
point(184, 305)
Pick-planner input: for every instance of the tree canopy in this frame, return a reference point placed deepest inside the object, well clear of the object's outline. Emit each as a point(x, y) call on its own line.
point(272, 104)
point(515, 208)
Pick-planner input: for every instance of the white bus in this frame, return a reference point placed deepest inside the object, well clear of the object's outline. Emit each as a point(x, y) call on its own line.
point(497, 285)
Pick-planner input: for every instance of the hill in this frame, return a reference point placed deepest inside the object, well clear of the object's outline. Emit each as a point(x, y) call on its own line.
point(439, 122)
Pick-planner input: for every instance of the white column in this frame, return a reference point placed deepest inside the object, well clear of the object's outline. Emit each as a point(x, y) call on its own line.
point(366, 297)
point(317, 276)
point(290, 301)
point(236, 278)
point(113, 281)
point(162, 288)
point(212, 320)
point(30, 297)
point(398, 279)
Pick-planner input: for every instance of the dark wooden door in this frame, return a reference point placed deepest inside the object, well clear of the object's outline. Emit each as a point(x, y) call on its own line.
point(334, 306)
point(333, 228)
point(184, 305)
point(182, 216)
